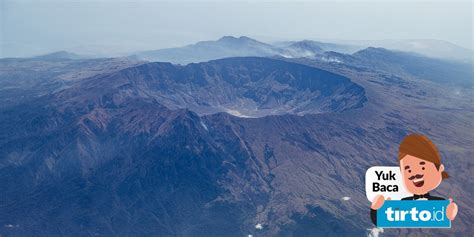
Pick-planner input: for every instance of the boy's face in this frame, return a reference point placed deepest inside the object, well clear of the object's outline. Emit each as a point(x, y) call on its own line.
point(420, 176)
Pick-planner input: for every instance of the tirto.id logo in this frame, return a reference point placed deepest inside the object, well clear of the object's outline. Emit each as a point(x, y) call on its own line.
point(419, 214)
point(415, 215)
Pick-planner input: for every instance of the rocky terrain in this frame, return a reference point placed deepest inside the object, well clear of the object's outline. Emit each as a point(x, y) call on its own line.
point(246, 87)
point(222, 147)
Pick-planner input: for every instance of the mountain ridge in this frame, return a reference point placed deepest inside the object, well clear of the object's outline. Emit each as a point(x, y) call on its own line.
point(100, 155)
point(230, 46)
point(254, 86)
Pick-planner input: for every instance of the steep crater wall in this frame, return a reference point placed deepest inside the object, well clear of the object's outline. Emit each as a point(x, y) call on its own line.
point(246, 87)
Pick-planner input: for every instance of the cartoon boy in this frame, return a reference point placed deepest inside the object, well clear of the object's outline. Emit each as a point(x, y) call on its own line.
point(422, 171)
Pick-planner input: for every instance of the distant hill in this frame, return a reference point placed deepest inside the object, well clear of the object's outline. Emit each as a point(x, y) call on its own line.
point(59, 56)
point(224, 47)
point(426, 47)
point(407, 64)
point(229, 46)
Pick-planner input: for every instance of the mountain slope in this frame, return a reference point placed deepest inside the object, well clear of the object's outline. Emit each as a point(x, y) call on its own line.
point(22, 79)
point(143, 175)
point(104, 156)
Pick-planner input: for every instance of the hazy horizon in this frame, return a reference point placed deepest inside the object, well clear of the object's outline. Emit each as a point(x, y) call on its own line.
point(105, 27)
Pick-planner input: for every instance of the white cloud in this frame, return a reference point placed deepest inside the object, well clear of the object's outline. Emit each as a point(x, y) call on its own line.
point(374, 232)
point(12, 226)
point(331, 59)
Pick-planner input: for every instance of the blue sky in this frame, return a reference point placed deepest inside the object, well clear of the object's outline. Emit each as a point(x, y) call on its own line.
point(35, 27)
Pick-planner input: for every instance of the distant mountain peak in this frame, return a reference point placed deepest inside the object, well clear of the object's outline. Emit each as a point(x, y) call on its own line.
point(229, 37)
point(240, 40)
point(227, 46)
point(374, 49)
point(378, 52)
point(59, 55)
point(308, 45)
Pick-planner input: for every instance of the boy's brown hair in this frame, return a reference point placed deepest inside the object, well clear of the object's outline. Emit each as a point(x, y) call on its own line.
point(421, 147)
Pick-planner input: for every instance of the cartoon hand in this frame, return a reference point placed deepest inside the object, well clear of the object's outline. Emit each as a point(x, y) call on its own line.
point(378, 202)
point(451, 210)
